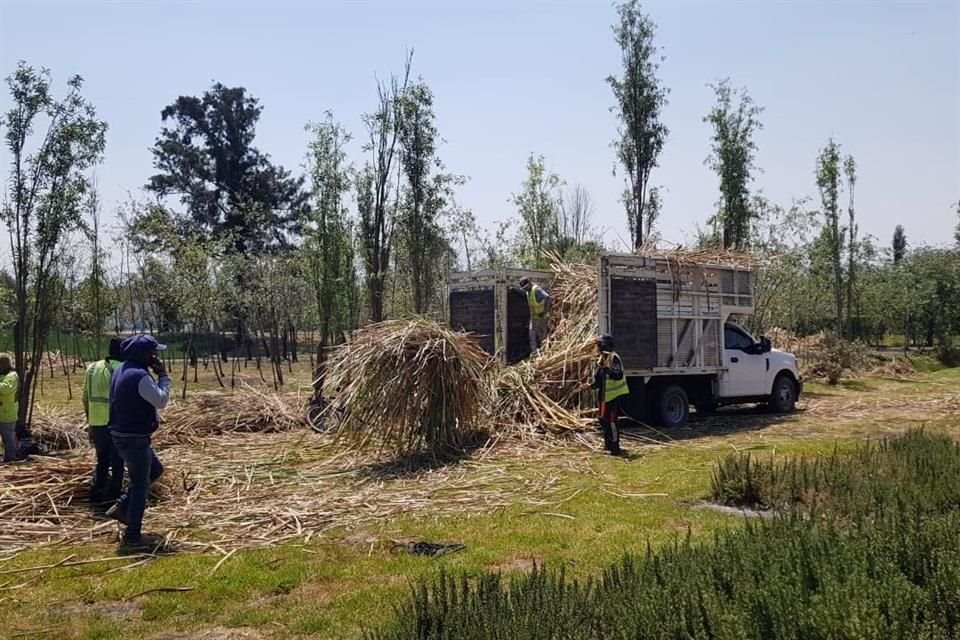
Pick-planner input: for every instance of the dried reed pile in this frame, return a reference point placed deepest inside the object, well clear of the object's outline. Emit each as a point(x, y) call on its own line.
point(205, 414)
point(248, 411)
point(551, 392)
point(58, 429)
point(411, 386)
point(701, 257)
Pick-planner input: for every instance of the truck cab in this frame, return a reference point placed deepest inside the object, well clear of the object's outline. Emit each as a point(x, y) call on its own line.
point(755, 372)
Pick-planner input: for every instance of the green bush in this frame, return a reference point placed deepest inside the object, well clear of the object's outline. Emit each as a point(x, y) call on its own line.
point(892, 574)
point(921, 468)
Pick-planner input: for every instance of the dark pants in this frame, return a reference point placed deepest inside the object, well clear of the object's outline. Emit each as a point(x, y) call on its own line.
point(609, 416)
point(107, 482)
point(143, 467)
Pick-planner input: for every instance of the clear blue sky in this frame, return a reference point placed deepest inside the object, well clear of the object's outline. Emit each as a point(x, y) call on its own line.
point(512, 78)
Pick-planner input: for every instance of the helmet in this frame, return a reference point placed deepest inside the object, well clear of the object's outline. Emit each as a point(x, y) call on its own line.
point(606, 342)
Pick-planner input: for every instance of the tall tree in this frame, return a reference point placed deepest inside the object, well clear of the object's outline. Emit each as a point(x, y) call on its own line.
point(735, 120)
point(328, 243)
point(899, 244)
point(426, 195)
point(538, 205)
point(828, 182)
point(375, 188)
point(640, 98)
point(43, 204)
point(850, 172)
point(205, 156)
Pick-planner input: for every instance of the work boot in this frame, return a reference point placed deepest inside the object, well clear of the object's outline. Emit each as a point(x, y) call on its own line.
point(118, 512)
point(146, 543)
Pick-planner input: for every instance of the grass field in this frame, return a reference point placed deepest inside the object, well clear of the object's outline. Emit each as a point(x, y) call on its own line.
point(569, 506)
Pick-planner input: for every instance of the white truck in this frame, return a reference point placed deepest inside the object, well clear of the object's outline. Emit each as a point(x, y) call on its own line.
point(674, 325)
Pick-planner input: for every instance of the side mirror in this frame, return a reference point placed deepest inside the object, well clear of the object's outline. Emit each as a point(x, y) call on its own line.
point(765, 345)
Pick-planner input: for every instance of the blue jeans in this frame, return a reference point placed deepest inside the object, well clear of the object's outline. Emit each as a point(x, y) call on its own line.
point(8, 432)
point(107, 481)
point(143, 467)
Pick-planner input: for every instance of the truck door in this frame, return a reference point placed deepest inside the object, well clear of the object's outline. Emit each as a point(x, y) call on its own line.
point(746, 373)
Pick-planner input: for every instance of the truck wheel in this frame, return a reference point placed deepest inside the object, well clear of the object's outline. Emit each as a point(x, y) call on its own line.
point(784, 396)
point(673, 407)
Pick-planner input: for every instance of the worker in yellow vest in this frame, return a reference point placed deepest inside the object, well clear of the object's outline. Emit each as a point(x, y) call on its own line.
point(612, 391)
point(539, 302)
point(107, 481)
point(9, 408)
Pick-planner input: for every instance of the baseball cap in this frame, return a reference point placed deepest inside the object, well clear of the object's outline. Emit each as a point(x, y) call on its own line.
point(140, 343)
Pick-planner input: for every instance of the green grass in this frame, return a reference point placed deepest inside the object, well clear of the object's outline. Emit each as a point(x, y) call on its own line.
point(334, 590)
point(895, 573)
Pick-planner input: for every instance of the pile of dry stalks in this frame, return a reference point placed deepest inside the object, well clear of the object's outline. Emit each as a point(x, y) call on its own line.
point(247, 411)
point(411, 385)
point(551, 391)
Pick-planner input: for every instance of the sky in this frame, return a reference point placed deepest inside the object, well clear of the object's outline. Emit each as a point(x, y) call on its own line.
point(514, 78)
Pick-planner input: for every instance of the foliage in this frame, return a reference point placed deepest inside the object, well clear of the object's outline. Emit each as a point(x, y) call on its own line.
point(640, 98)
point(828, 182)
point(920, 467)
point(899, 244)
point(424, 245)
point(732, 157)
point(538, 206)
point(328, 233)
point(889, 559)
point(43, 203)
point(373, 188)
point(232, 191)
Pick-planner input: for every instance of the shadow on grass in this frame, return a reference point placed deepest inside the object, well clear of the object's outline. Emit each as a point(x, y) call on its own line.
point(725, 421)
point(412, 463)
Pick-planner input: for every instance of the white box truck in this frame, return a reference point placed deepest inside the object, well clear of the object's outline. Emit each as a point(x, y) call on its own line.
point(675, 326)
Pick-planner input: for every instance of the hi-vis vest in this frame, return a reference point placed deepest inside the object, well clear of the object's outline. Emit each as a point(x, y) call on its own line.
point(613, 389)
point(97, 384)
point(536, 308)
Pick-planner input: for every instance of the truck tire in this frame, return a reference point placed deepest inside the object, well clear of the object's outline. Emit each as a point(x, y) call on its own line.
point(673, 407)
point(783, 399)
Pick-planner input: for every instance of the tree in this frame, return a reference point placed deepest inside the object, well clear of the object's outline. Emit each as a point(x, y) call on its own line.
point(850, 171)
point(899, 244)
point(828, 182)
point(538, 205)
point(328, 243)
point(640, 99)
point(576, 212)
point(373, 185)
point(956, 233)
point(205, 155)
point(426, 194)
point(651, 210)
point(734, 119)
point(96, 283)
point(43, 204)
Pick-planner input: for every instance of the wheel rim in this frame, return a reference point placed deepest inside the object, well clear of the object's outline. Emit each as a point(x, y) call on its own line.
point(674, 409)
point(785, 393)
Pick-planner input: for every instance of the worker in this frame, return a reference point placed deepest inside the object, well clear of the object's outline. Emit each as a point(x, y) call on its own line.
point(107, 481)
point(9, 408)
point(539, 302)
point(612, 391)
point(135, 399)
